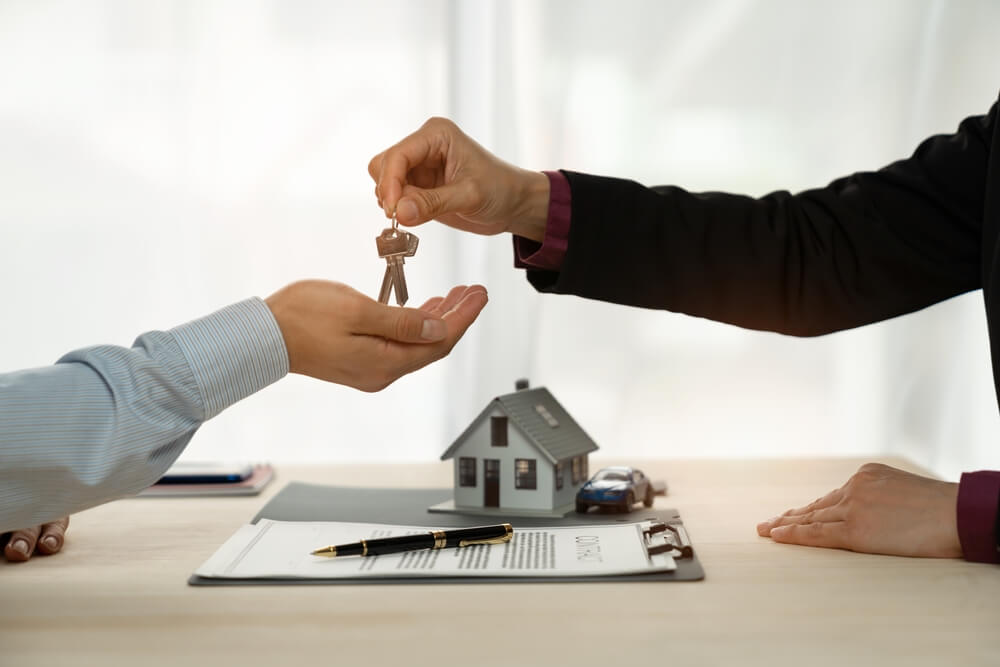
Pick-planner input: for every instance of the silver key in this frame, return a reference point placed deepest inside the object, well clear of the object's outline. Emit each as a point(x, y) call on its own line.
point(393, 245)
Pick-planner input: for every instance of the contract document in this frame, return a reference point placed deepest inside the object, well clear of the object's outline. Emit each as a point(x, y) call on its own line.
point(281, 550)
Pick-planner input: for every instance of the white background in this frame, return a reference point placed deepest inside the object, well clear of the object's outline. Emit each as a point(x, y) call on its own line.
point(159, 160)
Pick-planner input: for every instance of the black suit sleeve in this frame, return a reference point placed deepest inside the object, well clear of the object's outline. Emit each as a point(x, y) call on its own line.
point(865, 248)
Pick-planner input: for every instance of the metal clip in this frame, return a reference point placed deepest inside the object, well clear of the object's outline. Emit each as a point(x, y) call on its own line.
point(506, 537)
point(675, 539)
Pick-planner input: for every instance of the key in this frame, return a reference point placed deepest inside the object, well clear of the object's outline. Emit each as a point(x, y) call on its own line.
point(394, 245)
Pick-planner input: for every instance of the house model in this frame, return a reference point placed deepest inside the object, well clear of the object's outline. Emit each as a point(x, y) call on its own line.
point(524, 455)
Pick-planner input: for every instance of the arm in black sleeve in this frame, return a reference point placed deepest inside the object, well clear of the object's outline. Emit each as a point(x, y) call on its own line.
point(865, 248)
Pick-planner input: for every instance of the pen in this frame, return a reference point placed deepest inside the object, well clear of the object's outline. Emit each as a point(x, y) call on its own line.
point(435, 539)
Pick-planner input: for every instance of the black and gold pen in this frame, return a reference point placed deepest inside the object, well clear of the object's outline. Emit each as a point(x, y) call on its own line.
point(436, 539)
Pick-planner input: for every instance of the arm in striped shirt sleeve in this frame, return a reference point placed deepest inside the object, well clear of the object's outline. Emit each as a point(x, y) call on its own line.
point(106, 421)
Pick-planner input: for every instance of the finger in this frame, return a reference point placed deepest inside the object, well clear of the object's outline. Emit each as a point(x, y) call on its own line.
point(396, 163)
point(405, 325)
point(458, 311)
point(831, 535)
point(454, 296)
point(22, 544)
point(418, 205)
point(824, 515)
point(401, 359)
point(375, 167)
point(431, 304)
point(828, 500)
point(51, 539)
point(461, 316)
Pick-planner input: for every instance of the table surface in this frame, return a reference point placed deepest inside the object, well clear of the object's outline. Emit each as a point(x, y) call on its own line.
point(118, 593)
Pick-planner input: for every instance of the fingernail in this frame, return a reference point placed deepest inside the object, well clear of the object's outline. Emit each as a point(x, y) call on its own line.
point(433, 330)
point(478, 295)
point(20, 546)
point(50, 542)
point(406, 211)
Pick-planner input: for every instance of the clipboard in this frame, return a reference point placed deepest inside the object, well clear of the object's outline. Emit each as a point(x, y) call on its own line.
point(299, 501)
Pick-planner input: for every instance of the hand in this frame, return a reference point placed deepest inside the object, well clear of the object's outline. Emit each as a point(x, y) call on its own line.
point(46, 539)
point(337, 334)
point(881, 510)
point(440, 173)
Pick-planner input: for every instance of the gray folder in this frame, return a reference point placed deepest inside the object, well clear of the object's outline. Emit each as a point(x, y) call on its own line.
point(313, 502)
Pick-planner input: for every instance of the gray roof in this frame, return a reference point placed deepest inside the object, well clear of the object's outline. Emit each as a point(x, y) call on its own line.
point(556, 443)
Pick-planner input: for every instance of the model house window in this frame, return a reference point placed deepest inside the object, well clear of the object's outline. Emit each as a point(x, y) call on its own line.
point(466, 471)
point(585, 464)
point(498, 431)
point(559, 475)
point(546, 415)
point(577, 470)
point(524, 474)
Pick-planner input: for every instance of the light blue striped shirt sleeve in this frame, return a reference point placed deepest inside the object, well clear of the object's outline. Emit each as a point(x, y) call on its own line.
point(106, 421)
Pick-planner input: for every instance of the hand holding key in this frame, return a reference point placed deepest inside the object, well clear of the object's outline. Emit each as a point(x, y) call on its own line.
point(439, 172)
point(393, 245)
point(337, 334)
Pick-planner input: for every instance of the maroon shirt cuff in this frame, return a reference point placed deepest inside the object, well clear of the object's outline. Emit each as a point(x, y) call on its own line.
point(548, 255)
point(978, 495)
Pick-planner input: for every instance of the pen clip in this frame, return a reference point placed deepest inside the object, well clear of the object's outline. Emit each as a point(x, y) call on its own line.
point(506, 537)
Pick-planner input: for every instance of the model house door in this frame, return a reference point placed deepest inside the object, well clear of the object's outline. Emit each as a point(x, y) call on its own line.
point(491, 487)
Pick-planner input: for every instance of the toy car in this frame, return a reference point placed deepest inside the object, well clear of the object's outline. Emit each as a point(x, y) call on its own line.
point(619, 487)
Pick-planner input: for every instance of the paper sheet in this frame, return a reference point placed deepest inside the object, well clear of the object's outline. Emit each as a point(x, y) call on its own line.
point(281, 549)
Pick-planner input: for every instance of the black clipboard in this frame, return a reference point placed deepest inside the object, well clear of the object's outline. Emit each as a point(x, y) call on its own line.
point(299, 501)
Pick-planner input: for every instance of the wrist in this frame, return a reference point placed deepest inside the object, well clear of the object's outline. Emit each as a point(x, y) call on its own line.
point(281, 306)
point(532, 214)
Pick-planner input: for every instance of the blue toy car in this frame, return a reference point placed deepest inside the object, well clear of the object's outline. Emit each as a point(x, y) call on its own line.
point(619, 487)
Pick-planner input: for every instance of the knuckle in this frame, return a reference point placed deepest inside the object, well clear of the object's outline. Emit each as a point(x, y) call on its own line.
point(406, 328)
point(848, 514)
point(472, 190)
point(853, 533)
point(859, 479)
point(432, 201)
point(438, 122)
point(875, 471)
point(18, 535)
point(29, 534)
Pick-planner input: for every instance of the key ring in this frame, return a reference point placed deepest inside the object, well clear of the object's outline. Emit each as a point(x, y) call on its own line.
point(395, 225)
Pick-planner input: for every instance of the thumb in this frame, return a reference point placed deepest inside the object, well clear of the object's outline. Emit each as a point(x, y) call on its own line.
point(418, 205)
point(406, 325)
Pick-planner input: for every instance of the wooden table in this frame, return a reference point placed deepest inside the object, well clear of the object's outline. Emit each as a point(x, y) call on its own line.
point(118, 595)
